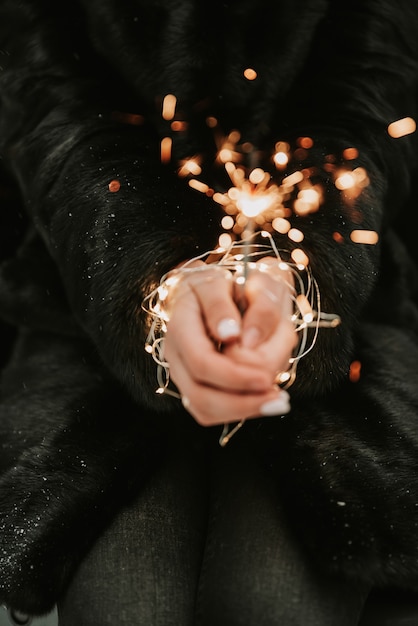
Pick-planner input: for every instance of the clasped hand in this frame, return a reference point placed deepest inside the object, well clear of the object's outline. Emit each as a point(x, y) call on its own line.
point(224, 357)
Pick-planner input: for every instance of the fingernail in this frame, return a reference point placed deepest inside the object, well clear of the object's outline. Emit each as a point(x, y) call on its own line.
point(228, 328)
point(251, 337)
point(278, 406)
point(185, 402)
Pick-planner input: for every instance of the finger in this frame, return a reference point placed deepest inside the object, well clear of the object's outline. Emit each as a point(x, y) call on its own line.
point(269, 297)
point(188, 346)
point(214, 291)
point(210, 407)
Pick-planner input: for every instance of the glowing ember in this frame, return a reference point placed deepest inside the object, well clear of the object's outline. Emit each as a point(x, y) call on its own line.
point(225, 240)
point(281, 159)
point(166, 145)
point(189, 166)
point(281, 225)
point(250, 74)
point(402, 127)
point(337, 237)
point(227, 222)
point(295, 235)
point(177, 126)
point(350, 153)
point(305, 142)
point(114, 186)
point(355, 371)
point(169, 106)
point(364, 236)
point(345, 181)
point(199, 186)
point(300, 258)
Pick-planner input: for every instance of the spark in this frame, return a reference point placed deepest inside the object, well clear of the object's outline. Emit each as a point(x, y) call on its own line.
point(364, 236)
point(169, 107)
point(296, 235)
point(189, 166)
point(166, 146)
point(227, 222)
point(114, 186)
point(402, 127)
point(349, 154)
point(300, 258)
point(355, 371)
point(305, 142)
point(250, 73)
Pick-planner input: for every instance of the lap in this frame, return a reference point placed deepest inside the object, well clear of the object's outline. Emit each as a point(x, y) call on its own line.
point(206, 542)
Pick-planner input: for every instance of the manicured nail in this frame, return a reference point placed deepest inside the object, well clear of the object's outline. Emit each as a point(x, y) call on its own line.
point(278, 406)
point(185, 402)
point(228, 328)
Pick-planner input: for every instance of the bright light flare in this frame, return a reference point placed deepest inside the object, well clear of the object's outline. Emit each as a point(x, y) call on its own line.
point(253, 205)
point(364, 236)
point(189, 166)
point(169, 106)
point(355, 371)
point(402, 127)
point(250, 73)
point(166, 147)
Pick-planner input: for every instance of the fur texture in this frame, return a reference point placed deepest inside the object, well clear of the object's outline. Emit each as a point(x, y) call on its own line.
point(71, 80)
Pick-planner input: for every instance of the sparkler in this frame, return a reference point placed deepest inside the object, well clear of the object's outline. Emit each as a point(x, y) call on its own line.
point(256, 205)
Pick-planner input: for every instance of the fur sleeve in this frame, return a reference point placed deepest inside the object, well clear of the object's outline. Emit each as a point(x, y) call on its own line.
point(63, 145)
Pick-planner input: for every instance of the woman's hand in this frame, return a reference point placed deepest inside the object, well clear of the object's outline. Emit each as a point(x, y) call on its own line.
point(224, 362)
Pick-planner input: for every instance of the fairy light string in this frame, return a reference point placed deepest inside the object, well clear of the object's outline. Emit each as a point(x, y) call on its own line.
point(258, 204)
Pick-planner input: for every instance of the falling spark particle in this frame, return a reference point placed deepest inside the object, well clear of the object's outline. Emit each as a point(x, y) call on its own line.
point(345, 181)
point(198, 185)
point(364, 236)
point(225, 240)
point(114, 186)
point(350, 153)
point(220, 198)
point(225, 155)
point(292, 179)
point(295, 235)
point(169, 106)
point(227, 222)
point(300, 258)
point(191, 166)
point(281, 225)
point(337, 237)
point(355, 371)
point(166, 145)
point(177, 126)
point(402, 127)
point(250, 74)
point(280, 159)
point(257, 176)
point(211, 122)
point(305, 142)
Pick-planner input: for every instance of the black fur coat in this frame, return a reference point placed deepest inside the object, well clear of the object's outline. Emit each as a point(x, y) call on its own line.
point(81, 428)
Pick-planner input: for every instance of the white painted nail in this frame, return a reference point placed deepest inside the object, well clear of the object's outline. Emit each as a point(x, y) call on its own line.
point(185, 402)
point(228, 328)
point(278, 406)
